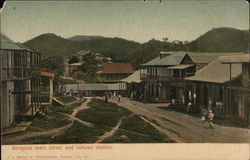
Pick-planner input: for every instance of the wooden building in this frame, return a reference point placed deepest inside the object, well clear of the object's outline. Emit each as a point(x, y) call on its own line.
point(114, 72)
point(46, 87)
point(213, 82)
point(20, 91)
point(163, 76)
point(241, 93)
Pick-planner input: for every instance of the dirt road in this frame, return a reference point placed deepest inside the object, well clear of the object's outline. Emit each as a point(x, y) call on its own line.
point(182, 127)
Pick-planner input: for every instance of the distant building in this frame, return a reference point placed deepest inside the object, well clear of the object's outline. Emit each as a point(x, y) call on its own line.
point(114, 72)
point(20, 88)
point(97, 89)
point(73, 67)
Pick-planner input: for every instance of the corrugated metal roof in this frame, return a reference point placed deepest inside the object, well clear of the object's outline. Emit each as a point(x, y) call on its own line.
point(135, 77)
point(205, 57)
point(25, 47)
point(171, 60)
point(93, 87)
point(216, 72)
point(238, 59)
point(8, 44)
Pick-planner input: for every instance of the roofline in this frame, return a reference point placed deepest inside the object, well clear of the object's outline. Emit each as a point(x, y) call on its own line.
point(233, 78)
point(234, 62)
point(34, 51)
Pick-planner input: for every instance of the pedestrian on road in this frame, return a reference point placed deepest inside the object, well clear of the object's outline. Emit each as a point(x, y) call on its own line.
point(189, 106)
point(119, 97)
point(203, 114)
point(210, 118)
point(106, 97)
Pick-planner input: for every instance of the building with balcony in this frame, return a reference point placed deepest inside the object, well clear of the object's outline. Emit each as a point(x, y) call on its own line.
point(114, 72)
point(164, 76)
point(20, 89)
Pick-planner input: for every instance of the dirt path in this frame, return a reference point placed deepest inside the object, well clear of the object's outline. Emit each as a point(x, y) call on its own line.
point(75, 101)
point(16, 139)
point(182, 127)
point(112, 131)
point(55, 131)
point(73, 118)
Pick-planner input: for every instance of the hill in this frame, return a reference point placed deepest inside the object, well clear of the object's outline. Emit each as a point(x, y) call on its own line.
point(52, 45)
point(121, 50)
point(215, 40)
point(84, 38)
point(222, 40)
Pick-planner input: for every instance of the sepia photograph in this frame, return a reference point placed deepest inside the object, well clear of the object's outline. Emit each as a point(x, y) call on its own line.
point(126, 73)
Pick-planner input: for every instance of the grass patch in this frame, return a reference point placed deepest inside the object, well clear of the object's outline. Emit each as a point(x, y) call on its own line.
point(43, 139)
point(103, 114)
point(65, 109)
point(136, 130)
point(66, 99)
point(39, 124)
point(79, 133)
point(50, 121)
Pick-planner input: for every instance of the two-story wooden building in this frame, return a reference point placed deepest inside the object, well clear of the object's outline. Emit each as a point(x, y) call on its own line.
point(20, 91)
point(163, 76)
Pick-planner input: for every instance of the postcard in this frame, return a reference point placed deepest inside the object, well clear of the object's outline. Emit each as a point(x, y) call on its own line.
point(100, 80)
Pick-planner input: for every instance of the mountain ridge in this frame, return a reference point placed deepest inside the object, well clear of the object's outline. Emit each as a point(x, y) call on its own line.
point(223, 39)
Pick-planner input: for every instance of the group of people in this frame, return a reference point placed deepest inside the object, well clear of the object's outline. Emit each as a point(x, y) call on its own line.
point(108, 96)
point(209, 115)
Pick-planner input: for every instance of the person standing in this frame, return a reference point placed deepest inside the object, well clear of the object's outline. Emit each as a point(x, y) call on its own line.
point(119, 97)
point(210, 118)
point(106, 97)
point(210, 103)
point(203, 114)
point(189, 106)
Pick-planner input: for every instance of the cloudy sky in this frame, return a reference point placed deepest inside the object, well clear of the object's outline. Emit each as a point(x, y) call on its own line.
point(133, 20)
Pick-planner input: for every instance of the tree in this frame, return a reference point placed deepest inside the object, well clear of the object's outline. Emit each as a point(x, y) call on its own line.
point(55, 65)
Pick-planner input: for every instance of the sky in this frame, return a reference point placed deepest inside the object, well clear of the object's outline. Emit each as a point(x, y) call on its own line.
point(133, 20)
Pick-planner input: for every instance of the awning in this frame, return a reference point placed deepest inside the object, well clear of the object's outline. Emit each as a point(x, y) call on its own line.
point(135, 77)
point(182, 66)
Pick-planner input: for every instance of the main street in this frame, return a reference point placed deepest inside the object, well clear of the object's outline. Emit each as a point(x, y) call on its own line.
point(182, 127)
